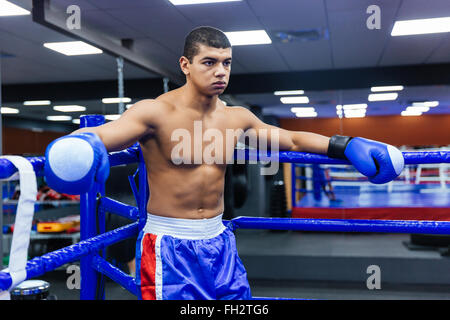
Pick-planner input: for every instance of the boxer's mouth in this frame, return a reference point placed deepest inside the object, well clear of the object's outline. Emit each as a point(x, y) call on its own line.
point(219, 84)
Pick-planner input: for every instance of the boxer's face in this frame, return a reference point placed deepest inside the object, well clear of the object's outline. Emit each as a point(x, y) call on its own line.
point(210, 69)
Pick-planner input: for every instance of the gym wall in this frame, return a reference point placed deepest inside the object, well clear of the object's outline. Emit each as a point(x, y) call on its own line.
point(27, 142)
point(426, 130)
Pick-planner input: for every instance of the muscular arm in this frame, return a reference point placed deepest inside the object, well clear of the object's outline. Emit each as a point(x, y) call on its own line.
point(378, 161)
point(135, 123)
point(288, 140)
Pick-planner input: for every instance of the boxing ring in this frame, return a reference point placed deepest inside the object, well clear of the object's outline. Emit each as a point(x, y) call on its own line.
point(94, 205)
point(341, 192)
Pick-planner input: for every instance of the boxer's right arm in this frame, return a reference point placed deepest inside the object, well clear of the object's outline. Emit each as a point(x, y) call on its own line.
point(135, 123)
point(73, 162)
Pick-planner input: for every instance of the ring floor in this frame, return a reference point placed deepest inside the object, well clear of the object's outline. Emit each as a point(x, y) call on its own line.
point(370, 196)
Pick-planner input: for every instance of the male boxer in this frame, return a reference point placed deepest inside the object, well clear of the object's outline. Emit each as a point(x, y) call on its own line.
point(184, 251)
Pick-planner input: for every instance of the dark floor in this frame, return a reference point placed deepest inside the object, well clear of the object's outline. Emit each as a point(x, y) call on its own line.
point(347, 291)
point(58, 286)
point(285, 289)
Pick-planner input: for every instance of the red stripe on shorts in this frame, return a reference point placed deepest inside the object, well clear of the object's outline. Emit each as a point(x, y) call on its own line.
point(148, 267)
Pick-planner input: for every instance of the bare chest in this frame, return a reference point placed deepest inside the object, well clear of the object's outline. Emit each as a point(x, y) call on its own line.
point(191, 141)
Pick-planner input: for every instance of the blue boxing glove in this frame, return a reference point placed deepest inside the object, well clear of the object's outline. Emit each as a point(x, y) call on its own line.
point(74, 162)
point(378, 161)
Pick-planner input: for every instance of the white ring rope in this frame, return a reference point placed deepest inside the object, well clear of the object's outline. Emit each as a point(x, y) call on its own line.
point(23, 222)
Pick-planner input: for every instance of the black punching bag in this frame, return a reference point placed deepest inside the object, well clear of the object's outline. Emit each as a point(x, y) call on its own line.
point(236, 189)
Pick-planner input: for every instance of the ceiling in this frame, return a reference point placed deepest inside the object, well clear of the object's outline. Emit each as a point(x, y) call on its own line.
point(158, 29)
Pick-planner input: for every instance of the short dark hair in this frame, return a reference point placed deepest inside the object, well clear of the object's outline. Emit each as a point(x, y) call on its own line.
point(208, 36)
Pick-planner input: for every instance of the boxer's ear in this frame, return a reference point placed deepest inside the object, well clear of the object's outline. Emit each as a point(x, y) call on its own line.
point(184, 65)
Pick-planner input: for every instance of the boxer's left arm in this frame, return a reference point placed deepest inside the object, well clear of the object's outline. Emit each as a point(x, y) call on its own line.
point(300, 141)
point(378, 161)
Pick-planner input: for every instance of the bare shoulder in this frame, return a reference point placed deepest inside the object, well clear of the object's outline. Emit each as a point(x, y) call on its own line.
point(150, 109)
point(238, 111)
point(242, 114)
point(151, 105)
point(239, 117)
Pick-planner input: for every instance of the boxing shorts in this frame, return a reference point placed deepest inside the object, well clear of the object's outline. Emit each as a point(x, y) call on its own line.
point(189, 259)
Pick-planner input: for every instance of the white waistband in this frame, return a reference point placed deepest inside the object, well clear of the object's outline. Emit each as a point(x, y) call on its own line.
point(184, 228)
